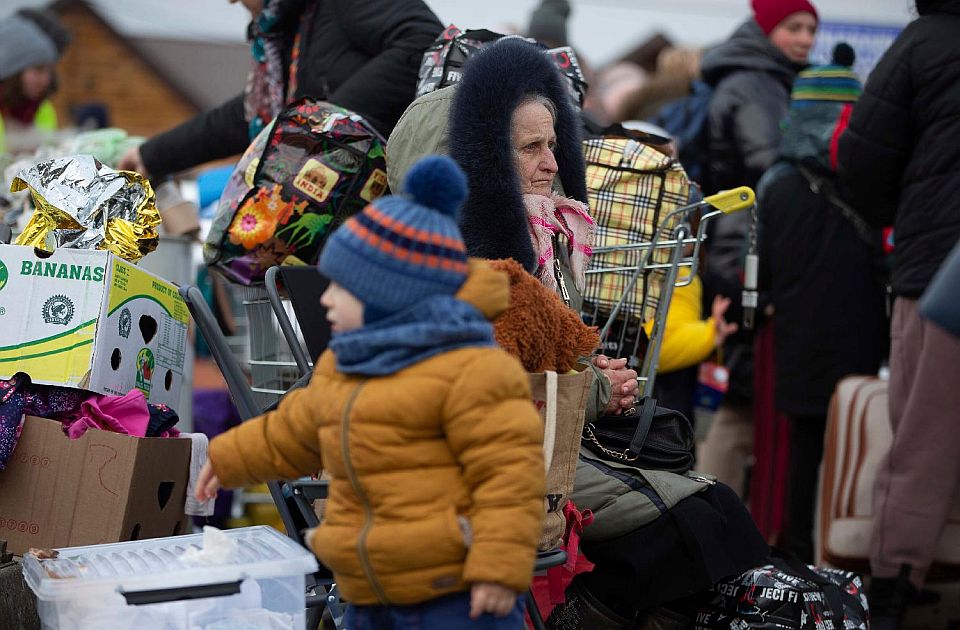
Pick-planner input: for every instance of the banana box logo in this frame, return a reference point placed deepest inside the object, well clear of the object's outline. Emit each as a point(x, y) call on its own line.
point(58, 309)
point(145, 367)
point(4, 275)
point(126, 323)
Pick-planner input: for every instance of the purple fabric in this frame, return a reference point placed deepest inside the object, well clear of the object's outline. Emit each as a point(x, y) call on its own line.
point(12, 400)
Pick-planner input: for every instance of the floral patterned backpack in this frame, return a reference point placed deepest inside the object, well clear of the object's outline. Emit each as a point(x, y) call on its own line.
point(302, 176)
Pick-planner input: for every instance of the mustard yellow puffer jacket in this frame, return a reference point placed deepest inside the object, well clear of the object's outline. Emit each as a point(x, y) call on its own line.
point(437, 470)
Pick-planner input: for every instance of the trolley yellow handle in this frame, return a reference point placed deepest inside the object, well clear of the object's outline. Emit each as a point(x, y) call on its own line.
point(735, 200)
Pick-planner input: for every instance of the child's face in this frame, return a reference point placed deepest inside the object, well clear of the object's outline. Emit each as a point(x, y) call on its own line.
point(344, 310)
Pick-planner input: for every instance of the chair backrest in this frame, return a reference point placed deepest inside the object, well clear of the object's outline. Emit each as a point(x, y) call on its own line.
point(304, 286)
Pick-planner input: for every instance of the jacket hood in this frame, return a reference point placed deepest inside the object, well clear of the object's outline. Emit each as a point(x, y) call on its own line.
point(811, 134)
point(486, 289)
point(493, 219)
point(747, 49)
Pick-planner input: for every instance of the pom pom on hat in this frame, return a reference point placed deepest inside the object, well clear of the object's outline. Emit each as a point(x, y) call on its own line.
point(843, 55)
point(402, 249)
point(437, 183)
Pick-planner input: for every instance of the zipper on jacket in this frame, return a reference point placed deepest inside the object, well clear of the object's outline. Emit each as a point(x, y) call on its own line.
point(558, 272)
point(364, 500)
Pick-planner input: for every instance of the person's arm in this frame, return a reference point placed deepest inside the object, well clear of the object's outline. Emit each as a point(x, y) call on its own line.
point(497, 437)
point(394, 35)
point(214, 134)
point(756, 125)
point(874, 150)
point(282, 444)
point(687, 339)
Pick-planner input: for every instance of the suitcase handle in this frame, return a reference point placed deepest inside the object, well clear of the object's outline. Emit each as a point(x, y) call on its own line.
point(180, 593)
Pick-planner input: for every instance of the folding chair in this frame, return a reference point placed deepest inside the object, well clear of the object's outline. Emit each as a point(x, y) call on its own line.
point(321, 591)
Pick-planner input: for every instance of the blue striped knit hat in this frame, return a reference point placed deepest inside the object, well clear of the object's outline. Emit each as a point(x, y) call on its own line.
point(833, 83)
point(403, 248)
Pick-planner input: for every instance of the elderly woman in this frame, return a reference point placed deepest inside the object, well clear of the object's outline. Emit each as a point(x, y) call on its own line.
point(512, 127)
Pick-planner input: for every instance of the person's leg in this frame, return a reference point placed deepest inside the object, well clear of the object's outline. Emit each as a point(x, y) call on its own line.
point(367, 618)
point(452, 612)
point(918, 479)
point(806, 451)
point(728, 446)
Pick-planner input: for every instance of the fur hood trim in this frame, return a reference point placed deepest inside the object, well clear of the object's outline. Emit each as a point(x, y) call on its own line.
point(495, 81)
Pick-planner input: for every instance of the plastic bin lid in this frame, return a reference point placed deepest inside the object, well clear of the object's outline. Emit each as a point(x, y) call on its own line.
point(261, 552)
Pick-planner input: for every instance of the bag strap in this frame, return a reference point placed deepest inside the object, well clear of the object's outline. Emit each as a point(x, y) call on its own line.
point(819, 184)
point(789, 563)
point(647, 411)
point(550, 419)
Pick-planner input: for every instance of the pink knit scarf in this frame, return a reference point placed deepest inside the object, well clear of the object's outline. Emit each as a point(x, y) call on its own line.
point(555, 216)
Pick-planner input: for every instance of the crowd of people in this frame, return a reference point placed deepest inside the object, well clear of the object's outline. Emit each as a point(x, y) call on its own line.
point(426, 426)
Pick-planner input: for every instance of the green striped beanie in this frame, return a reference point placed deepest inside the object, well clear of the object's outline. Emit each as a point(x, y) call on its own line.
point(835, 82)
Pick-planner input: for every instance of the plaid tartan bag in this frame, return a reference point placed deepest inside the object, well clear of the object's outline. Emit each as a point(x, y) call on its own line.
point(632, 187)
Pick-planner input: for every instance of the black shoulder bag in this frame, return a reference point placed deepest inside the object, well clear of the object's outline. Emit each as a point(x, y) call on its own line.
point(646, 436)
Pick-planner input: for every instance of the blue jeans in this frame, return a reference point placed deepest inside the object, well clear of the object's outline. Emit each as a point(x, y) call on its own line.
point(451, 612)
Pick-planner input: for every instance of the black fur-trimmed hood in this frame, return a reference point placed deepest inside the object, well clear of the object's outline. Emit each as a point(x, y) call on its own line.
point(495, 80)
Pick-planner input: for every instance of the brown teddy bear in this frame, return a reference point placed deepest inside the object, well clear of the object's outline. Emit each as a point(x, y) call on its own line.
point(538, 328)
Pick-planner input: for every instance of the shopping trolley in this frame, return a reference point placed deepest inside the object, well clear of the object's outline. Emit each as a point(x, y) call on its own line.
point(656, 263)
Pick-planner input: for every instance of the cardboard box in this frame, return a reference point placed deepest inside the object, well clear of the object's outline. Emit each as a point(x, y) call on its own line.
point(88, 319)
point(103, 487)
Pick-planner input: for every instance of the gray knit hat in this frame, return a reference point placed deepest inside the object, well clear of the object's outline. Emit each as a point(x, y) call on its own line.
point(22, 45)
point(548, 23)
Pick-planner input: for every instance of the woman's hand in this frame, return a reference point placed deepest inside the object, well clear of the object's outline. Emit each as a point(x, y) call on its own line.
point(723, 329)
point(487, 597)
point(131, 161)
point(207, 483)
point(623, 383)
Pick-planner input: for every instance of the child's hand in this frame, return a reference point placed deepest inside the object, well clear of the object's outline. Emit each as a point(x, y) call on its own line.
point(724, 330)
point(207, 483)
point(487, 597)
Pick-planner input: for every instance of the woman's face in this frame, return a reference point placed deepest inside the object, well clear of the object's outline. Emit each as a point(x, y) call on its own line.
point(794, 36)
point(35, 81)
point(534, 141)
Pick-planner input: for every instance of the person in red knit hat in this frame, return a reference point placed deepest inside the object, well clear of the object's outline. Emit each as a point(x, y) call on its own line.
point(751, 75)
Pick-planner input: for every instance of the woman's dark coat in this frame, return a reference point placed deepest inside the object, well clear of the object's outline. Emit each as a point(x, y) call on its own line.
point(822, 278)
point(363, 55)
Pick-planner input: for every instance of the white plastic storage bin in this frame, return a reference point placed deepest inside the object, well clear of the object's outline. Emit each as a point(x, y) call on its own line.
point(144, 585)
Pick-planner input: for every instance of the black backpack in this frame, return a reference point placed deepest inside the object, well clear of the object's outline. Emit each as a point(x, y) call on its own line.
point(687, 121)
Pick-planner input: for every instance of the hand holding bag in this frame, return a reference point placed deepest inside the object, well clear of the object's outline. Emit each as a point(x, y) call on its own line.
point(646, 436)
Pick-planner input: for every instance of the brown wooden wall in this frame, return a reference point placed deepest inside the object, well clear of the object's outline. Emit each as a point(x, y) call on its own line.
point(99, 66)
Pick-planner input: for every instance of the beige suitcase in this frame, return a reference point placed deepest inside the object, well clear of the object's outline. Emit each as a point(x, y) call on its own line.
point(858, 436)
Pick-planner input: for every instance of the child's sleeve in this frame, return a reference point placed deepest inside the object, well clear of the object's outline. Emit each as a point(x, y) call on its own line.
point(282, 444)
point(687, 339)
point(497, 436)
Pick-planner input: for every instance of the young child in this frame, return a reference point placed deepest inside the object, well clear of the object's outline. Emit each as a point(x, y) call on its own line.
point(426, 428)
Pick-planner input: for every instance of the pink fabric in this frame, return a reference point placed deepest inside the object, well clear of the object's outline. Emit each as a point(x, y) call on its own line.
point(121, 414)
point(556, 215)
point(549, 591)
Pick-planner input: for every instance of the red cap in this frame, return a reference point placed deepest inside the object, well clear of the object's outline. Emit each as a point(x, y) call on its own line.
point(769, 13)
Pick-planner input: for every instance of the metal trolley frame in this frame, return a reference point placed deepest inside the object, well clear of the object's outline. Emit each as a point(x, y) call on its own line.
point(672, 235)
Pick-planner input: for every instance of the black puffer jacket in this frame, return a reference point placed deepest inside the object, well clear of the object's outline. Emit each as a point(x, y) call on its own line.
point(900, 155)
point(751, 82)
point(359, 54)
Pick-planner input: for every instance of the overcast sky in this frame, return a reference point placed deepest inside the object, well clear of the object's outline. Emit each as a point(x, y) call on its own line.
point(601, 29)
